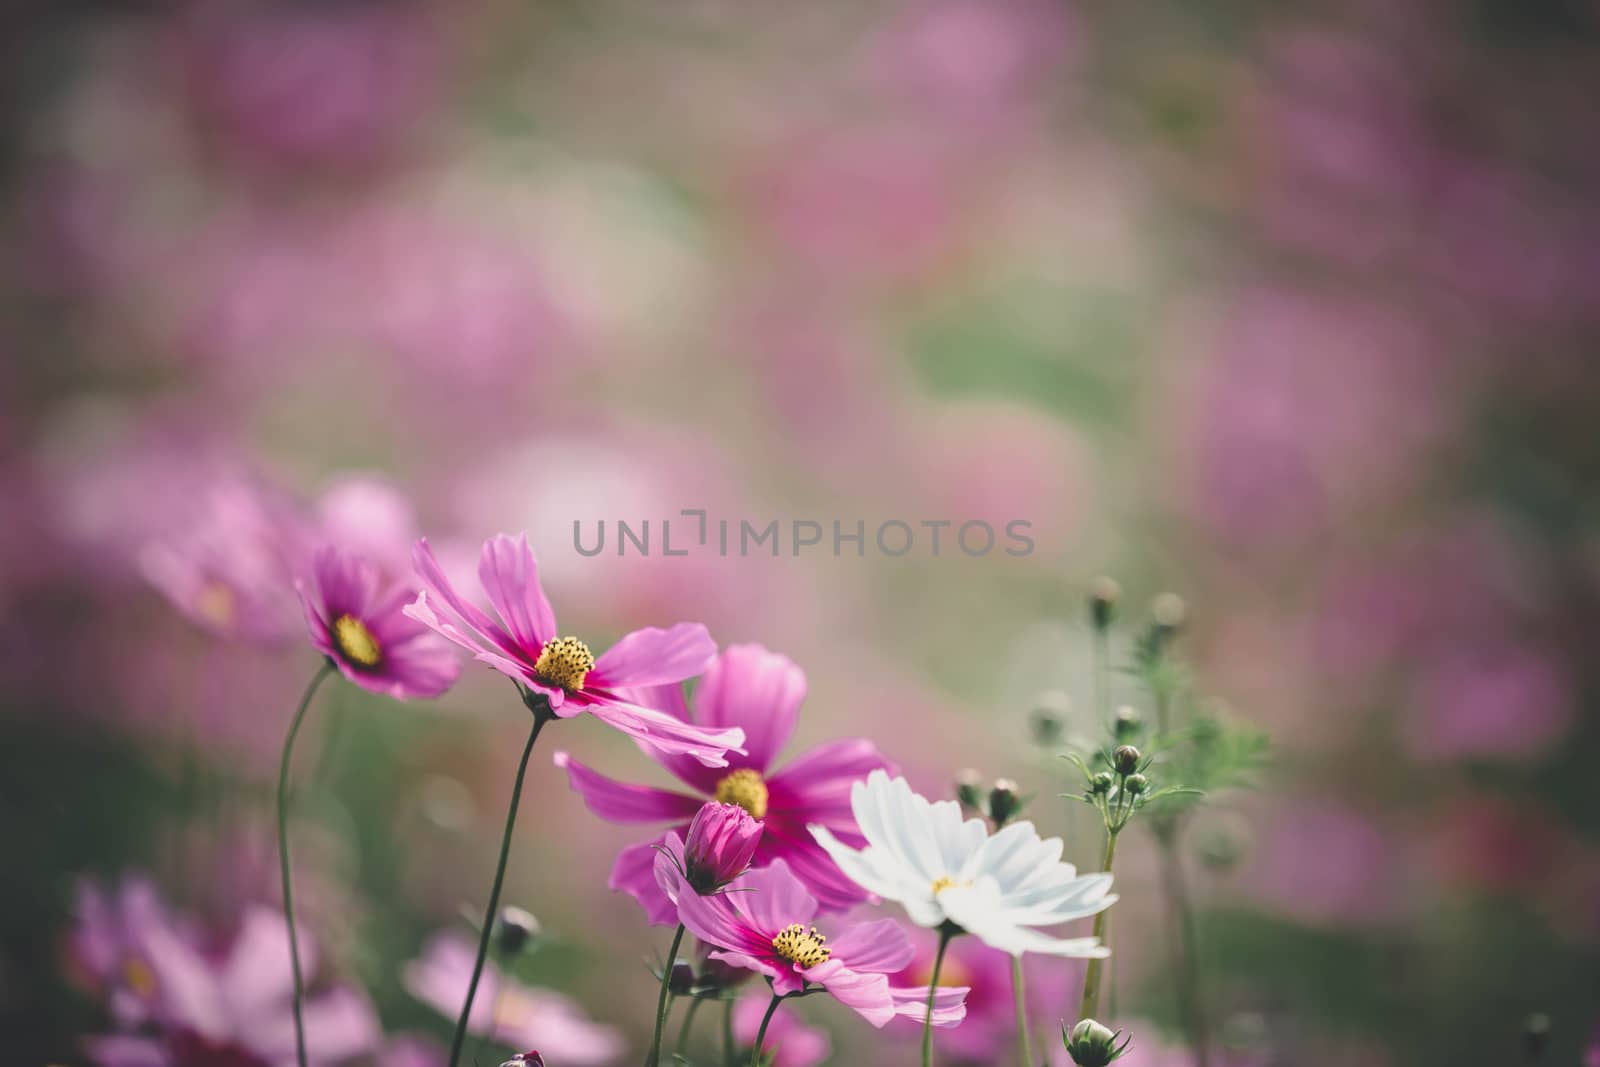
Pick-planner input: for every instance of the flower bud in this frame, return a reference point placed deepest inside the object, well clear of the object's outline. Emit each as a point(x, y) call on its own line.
point(1136, 784)
point(1125, 759)
point(515, 929)
point(531, 1058)
point(968, 785)
point(1535, 1035)
point(715, 974)
point(1049, 719)
point(680, 980)
point(1169, 612)
point(1092, 1044)
point(722, 841)
point(1103, 596)
point(1100, 784)
point(1128, 723)
point(1004, 802)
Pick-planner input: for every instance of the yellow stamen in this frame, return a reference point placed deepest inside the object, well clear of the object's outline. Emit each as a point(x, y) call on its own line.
point(564, 663)
point(139, 978)
point(801, 947)
point(356, 643)
point(216, 604)
point(745, 788)
point(946, 882)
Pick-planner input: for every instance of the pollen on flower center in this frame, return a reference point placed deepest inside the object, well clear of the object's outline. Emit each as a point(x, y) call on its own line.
point(138, 977)
point(564, 663)
point(804, 948)
point(946, 882)
point(356, 642)
point(745, 788)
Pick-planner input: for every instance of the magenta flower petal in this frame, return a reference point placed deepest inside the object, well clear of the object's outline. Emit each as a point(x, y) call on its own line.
point(721, 841)
point(490, 636)
point(949, 1004)
point(666, 734)
point(637, 873)
point(653, 656)
point(619, 802)
point(773, 897)
point(865, 992)
point(510, 576)
point(818, 781)
point(756, 690)
point(880, 946)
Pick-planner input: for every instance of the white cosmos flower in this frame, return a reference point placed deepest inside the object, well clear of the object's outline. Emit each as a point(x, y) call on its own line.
point(998, 887)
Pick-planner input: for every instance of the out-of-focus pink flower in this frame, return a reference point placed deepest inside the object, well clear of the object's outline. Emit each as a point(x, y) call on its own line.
point(789, 1042)
point(365, 631)
point(526, 648)
point(369, 517)
point(765, 930)
point(1323, 862)
point(107, 945)
point(237, 1010)
point(507, 1011)
point(989, 1031)
point(759, 692)
point(722, 840)
point(1504, 702)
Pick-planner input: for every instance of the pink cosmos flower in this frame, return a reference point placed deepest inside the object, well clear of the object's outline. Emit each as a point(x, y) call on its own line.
point(722, 840)
point(366, 632)
point(107, 946)
point(236, 1010)
point(759, 691)
point(507, 1011)
point(789, 1043)
point(765, 927)
point(525, 647)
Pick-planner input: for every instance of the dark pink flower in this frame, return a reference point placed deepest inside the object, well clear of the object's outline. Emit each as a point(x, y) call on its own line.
point(761, 692)
point(365, 631)
point(524, 645)
point(765, 928)
point(722, 840)
point(789, 1043)
point(107, 946)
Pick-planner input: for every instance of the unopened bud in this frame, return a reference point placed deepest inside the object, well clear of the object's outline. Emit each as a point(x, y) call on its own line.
point(1100, 784)
point(515, 929)
point(969, 789)
point(1103, 596)
point(1004, 802)
point(1169, 611)
point(1136, 785)
point(1092, 1044)
point(681, 979)
point(1128, 723)
point(1125, 759)
point(1535, 1036)
point(1049, 718)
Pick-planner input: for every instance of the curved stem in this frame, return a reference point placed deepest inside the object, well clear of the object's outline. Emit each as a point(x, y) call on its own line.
point(283, 860)
point(661, 1001)
point(727, 1035)
point(1019, 990)
point(761, 1034)
point(539, 719)
point(945, 934)
point(688, 1020)
point(1091, 977)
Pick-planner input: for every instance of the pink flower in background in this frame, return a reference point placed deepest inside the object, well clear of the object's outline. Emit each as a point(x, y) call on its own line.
point(1323, 862)
point(764, 928)
point(526, 648)
point(507, 1011)
point(107, 946)
point(1504, 702)
point(368, 516)
point(365, 631)
point(789, 1043)
point(760, 692)
point(237, 1010)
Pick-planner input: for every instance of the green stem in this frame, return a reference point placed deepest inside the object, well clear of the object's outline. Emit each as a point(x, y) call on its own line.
point(283, 861)
point(539, 719)
point(761, 1034)
point(1181, 944)
point(1102, 675)
point(727, 1036)
point(1091, 977)
point(1019, 990)
point(688, 1019)
point(946, 933)
point(661, 1001)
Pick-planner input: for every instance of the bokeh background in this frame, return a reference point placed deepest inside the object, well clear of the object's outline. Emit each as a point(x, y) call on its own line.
point(1288, 308)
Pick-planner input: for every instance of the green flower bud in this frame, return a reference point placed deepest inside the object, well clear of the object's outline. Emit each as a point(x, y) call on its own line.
point(1535, 1035)
point(1136, 784)
point(515, 929)
point(968, 785)
point(1092, 1044)
point(1128, 723)
point(1049, 718)
point(1126, 759)
point(1004, 803)
point(1169, 612)
point(1100, 784)
point(1103, 596)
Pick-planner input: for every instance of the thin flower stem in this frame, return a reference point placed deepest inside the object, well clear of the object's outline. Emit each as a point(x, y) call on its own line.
point(539, 719)
point(761, 1034)
point(1182, 948)
point(1019, 990)
point(946, 933)
point(661, 1001)
point(727, 1035)
point(1102, 674)
point(283, 860)
point(688, 1020)
point(1091, 977)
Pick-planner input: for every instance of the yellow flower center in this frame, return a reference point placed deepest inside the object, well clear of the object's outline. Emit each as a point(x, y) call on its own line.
point(564, 663)
point(801, 947)
point(745, 788)
point(952, 973)
point(946, 882)
point(138, 977)
point(216, 604)
point(356, 642)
